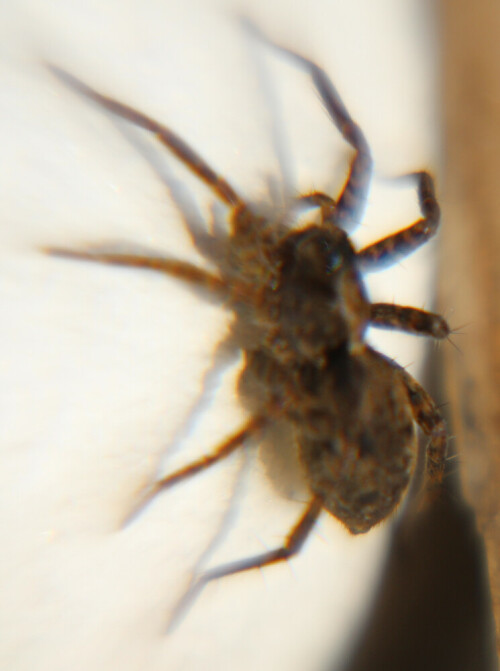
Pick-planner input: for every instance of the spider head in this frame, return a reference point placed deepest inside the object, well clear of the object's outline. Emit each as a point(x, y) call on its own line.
point(322, 298)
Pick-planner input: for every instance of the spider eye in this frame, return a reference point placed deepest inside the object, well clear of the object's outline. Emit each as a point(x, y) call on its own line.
point(334, 261)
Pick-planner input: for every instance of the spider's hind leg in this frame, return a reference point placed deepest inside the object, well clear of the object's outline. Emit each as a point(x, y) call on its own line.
point(249, 430)
point(431, 421)
point(291, 546)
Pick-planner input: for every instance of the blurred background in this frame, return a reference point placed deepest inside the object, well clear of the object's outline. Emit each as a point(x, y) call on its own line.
point(102, 367)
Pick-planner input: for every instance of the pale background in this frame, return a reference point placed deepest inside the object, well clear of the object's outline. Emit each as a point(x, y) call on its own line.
point(100, 366)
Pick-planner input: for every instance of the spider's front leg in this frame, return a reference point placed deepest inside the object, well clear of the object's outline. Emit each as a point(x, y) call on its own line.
point(319, 199)
point(182, 270)
point(190, 158)
point(387, 251)
point(186, 154)
point(409, 319)
point(351, 202)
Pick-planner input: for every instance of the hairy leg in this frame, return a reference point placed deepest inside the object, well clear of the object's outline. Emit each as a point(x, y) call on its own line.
point(221, 452)
point(396, 246)
point(171, 140)
point(292, 545)
point(409, 319)
point(430, 420)
point(180, 269)
point(352, 198)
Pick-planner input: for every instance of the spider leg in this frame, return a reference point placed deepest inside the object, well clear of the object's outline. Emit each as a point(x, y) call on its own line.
point(292, 545)
point(411, 320)
point(319, 199)
point(171, 140)
point(221, 452)
point(352, 198)
point(387, 251)
point(429, 418)
point(180, 269)
point(224, 355)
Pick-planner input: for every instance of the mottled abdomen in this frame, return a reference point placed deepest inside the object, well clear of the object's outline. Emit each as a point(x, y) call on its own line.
point(358, 443)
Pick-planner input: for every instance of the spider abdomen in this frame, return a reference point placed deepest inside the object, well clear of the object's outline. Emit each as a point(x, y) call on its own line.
point(361, 461)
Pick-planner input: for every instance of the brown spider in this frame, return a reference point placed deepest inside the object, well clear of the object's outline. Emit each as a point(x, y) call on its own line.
point(300, 312)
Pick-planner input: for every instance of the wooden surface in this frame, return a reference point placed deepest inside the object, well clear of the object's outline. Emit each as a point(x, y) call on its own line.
point(470, 271)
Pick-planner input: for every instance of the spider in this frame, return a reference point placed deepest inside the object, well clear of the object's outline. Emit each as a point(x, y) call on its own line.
point(299, 315)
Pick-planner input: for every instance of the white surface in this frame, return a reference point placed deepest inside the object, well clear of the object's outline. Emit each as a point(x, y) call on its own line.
point(100, 365)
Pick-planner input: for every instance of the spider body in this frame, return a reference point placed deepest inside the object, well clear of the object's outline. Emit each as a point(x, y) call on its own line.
point(309, 362)
point(300, 313)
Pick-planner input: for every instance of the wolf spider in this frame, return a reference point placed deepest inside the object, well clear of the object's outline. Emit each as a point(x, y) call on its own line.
point(300, 312)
